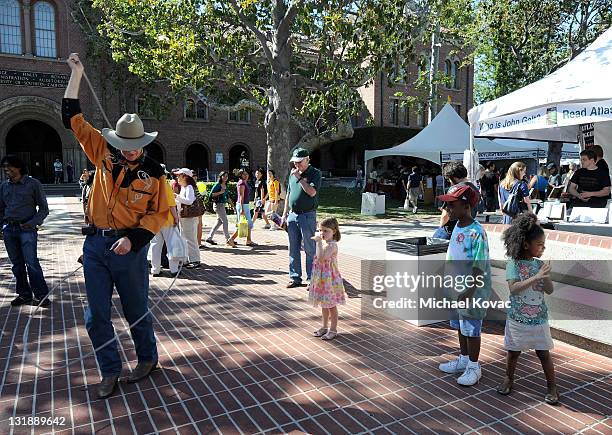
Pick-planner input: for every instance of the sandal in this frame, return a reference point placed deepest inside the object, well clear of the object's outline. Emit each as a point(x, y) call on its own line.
point(552, 398)
point(330, 335)
point(320, 332)
point(231, 243)
point(251, 244)
point(505, 388)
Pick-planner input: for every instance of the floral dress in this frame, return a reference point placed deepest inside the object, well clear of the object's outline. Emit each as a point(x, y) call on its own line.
point(527, 324)
point(326, 286)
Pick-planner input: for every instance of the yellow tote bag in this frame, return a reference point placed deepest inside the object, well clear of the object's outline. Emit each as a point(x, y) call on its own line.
point(243, 227)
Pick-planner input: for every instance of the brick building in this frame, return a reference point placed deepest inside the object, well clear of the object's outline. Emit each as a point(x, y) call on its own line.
point(393, 121)
point(36, 37)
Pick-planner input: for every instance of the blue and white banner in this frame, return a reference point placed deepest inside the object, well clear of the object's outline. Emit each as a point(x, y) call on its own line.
point(559, 115)
point(497, 155)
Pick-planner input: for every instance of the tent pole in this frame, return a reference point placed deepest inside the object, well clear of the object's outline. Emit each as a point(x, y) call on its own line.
point(472, 173)
point(365, 173)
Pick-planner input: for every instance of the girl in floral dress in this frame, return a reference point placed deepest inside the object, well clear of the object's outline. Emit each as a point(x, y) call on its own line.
point(326, 286)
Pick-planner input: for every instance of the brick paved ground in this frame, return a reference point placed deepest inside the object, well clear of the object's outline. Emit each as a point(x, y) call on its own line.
point(237, 355)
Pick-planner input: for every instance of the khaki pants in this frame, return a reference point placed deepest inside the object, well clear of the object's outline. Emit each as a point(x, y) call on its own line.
point(189, 231)
point(413, 196)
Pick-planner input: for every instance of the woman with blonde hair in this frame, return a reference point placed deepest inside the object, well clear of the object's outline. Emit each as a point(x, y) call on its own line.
point(513, 183)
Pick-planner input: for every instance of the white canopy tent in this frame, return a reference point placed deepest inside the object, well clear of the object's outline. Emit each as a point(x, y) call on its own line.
point(553, 108)
point(445, 139)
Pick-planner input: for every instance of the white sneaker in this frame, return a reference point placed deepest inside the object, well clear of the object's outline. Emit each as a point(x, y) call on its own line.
point(470, 376)
point(414, 210)
point(454, 366)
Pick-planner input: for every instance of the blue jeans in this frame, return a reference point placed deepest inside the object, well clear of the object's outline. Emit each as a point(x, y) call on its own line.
point(247, 214)
point(21, 247)
point(129, 274)
point(301, 227)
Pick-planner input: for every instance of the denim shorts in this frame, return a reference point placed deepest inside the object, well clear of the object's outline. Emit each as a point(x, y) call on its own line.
point(468, 327)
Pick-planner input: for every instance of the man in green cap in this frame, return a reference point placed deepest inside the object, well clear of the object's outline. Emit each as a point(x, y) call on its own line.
point(300, 213)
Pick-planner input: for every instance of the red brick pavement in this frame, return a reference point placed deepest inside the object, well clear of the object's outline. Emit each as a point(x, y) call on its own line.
point(237, 356)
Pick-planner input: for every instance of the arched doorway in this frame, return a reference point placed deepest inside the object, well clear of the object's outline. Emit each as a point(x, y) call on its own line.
point(156, 152)
point(196, 159)
point(239, 157)
point(37, 144)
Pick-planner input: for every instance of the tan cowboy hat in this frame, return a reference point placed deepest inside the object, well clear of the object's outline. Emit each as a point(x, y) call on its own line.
point(129, 134)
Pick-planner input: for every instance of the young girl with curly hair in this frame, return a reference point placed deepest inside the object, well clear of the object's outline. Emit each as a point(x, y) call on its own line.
point(527, 323)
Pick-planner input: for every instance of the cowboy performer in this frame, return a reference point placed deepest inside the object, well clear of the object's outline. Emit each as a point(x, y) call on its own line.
point(127, 207)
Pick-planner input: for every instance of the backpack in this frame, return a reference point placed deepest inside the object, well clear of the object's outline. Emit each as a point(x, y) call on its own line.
point(512, 206)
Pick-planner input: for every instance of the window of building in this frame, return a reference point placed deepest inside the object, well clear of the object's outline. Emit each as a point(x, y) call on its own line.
point(448, 67)
point(394, 109)
point(10, 27)
point(196, 111)
point(190, 111)
point(201, 110)
point(406, 117)
point(148, 106)
point(422, 115)
point(243, 115)
point(44, 29)
point(455, 75)
point(401, 71)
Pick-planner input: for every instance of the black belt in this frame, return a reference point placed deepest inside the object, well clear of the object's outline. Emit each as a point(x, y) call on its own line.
point(303, 212)
point(111, 232)
point(14, 222)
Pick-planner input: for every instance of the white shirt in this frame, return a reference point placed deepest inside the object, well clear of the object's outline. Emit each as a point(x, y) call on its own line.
point(187, 196)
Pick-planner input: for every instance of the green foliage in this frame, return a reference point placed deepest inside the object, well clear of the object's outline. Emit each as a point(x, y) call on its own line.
point(206, 186)
point(223, 50)
point(518, 42)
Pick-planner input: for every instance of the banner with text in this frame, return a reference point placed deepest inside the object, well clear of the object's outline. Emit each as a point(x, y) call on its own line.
point(497, 155)
point(560, 115)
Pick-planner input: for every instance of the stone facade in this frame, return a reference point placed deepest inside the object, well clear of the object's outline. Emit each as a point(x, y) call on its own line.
point(211, 144)
point(30, 123)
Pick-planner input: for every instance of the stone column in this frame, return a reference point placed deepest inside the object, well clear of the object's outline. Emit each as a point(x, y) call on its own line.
point(27, 27)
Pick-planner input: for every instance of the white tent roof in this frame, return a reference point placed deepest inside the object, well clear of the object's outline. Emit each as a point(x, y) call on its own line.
point(552, 108)
point(446, 134)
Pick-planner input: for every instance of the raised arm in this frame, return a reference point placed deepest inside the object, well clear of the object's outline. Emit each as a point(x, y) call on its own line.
point(72, 91)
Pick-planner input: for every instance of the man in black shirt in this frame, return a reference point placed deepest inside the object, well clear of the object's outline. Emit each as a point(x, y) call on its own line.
point(599, 160)
point(23, 208)
point(489, 184)
point(590, 185)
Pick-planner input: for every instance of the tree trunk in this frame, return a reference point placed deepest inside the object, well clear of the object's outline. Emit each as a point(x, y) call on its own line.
point(277, 122)
point(277, 125)
point(554, 153)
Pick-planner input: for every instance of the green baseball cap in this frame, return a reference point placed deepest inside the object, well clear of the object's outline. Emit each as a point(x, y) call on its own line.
point(299, 154)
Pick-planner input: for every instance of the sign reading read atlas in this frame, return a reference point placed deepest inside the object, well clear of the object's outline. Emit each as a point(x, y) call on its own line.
point(563, 114)
point(31, 78)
